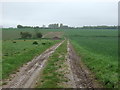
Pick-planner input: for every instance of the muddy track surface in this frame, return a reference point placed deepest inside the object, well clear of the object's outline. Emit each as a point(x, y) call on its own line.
point(28, 74)
point(81, 76)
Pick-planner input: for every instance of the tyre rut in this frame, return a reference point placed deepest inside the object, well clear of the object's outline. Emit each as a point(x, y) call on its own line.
point(27, 75)
point(81, 75)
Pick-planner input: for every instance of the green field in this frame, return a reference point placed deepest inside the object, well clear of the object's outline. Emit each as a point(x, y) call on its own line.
point(98, 50)
point(15, 33)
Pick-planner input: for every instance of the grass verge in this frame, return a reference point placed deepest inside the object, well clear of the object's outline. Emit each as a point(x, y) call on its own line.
point(51, 77)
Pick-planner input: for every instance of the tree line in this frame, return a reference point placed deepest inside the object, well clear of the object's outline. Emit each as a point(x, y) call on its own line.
point(61, 26)
point(99, 27)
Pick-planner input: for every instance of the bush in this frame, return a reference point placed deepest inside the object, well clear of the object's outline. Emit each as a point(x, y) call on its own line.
point(35, 42)
point(43, 43)
point(25, 35)
point(14, 42)
point(39, 35)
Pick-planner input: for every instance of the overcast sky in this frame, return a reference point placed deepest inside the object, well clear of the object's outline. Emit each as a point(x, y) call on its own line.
point(69, 12)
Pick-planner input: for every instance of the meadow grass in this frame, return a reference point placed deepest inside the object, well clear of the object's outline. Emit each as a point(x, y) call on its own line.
point(51, 77)
point(19, 53)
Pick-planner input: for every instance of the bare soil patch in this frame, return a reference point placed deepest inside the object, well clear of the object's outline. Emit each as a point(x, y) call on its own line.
point(53, 34)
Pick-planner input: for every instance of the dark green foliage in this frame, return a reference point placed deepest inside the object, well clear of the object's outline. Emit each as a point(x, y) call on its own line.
point(59, 26)
point(99, 27)
point(39, 35)
point(35, 42)
point(19, 26)
point(43, 43)
point(25, 35)
point(37, 27)
point(14, 41)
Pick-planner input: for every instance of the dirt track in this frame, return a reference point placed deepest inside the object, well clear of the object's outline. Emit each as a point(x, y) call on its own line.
point(82, 77)
point(27, 75)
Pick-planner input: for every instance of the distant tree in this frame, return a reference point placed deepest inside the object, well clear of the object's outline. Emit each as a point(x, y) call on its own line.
point(99, 27)
point(21, 33)
point(39, 35)
point(19, 26)
point(61, 25)
point(37, 27)
point(54, 26)
point(29, 35)
point(25, 35)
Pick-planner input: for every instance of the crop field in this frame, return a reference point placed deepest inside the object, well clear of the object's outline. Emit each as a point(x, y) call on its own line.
point(98, 49)
point(18, 52)
point(100, 59)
